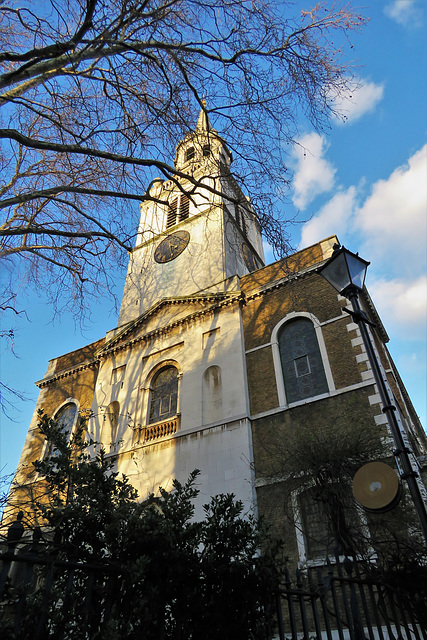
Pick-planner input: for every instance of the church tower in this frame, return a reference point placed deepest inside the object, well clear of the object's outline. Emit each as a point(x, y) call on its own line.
point(171, 386)
point(197, 230)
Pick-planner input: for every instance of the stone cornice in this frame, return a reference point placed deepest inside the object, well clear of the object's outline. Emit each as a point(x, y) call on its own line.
point(65, 373)
point(301, 273)
point(214, 302)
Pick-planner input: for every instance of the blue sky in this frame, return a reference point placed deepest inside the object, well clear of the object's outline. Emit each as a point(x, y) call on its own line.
point(365, 179)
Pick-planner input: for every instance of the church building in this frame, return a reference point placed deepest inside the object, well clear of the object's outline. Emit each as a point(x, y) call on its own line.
point(253, 374)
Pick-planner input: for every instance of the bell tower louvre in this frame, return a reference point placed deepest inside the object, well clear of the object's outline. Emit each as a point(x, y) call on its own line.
point(222, 364)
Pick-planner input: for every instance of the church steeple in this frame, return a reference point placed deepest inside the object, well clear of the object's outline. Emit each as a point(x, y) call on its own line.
point(198, 233)
point(201, 147)
point(203, 123)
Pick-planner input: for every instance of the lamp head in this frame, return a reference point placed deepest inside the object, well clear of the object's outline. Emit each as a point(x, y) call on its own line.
point(344, 270)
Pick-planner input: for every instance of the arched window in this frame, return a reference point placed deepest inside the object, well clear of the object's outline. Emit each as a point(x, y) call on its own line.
point(301, 360)
point(164, 395)
point(66, 417)
point(212, 395)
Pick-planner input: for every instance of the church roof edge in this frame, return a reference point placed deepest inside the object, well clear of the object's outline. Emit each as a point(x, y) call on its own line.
point(219, 297)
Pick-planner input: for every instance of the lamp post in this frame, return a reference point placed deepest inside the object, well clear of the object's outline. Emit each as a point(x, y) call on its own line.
point(346, 272)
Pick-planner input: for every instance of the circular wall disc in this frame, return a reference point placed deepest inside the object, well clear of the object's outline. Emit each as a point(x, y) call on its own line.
point(376, 486)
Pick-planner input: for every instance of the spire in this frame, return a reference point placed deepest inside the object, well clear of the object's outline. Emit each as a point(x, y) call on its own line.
point(203, 123)
point(201, 145)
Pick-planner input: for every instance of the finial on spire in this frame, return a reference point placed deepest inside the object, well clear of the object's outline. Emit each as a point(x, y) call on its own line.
point(203, 123)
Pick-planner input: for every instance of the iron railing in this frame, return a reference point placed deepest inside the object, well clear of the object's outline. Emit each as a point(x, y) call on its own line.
point(337, 602)
point(39, 591)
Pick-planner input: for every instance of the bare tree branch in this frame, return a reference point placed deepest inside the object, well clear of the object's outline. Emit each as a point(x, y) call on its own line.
point(95, 95)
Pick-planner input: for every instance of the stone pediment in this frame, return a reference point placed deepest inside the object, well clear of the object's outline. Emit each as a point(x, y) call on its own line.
point(164, 316)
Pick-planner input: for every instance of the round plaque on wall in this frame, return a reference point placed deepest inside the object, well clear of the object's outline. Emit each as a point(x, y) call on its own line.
point(376, 487)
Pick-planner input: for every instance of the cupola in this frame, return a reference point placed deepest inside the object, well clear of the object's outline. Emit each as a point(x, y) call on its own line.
point(202, 147)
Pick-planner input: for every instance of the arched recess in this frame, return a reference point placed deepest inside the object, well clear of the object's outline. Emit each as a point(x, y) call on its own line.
point(300, 359)
point(212, 395)
point(110, 425)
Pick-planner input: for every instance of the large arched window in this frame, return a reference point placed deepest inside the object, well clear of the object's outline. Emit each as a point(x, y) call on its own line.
point(164, 395)
point(66, 417)
point(301, 360)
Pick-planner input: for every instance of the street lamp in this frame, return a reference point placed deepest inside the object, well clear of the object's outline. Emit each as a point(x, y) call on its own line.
point(346, 272)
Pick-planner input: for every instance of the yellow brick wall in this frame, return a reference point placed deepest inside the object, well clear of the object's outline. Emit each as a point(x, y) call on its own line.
point(79, 386)
point(261, 314)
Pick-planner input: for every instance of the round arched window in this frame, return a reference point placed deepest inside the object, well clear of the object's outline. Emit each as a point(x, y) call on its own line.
point(302, 366)
point(164, 395)
point(66, 417)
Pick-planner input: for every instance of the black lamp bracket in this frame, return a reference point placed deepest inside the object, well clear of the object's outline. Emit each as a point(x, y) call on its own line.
point(359, 316)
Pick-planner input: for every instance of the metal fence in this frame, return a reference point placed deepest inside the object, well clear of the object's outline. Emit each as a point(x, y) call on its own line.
point(335, 602)
point(51, 598)
point(44, 597)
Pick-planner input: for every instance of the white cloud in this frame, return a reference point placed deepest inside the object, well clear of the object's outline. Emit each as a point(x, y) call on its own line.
point(392, 221)
point(404, 304)
point(414, 363)
point(393, 218)
point(334, 217)
point(268, 252)
point(408, 13)
point(355, 103)
point(390, 230)
point(313, 174)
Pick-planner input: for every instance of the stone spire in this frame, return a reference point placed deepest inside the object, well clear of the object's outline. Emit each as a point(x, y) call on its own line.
point(203, 145)
point(203, 123)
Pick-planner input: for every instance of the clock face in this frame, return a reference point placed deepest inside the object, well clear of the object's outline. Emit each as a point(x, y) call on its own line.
point(171, 247)
point(248, 257)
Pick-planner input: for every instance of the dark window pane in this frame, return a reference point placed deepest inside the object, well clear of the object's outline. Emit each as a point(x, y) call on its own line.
point(302, 364)
point(329, 521)
point(318, 539)
point(164, 395)
point(190, 153)
point(173, 403)
point(155, 410)
point(243, 222)
point(237, 211)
